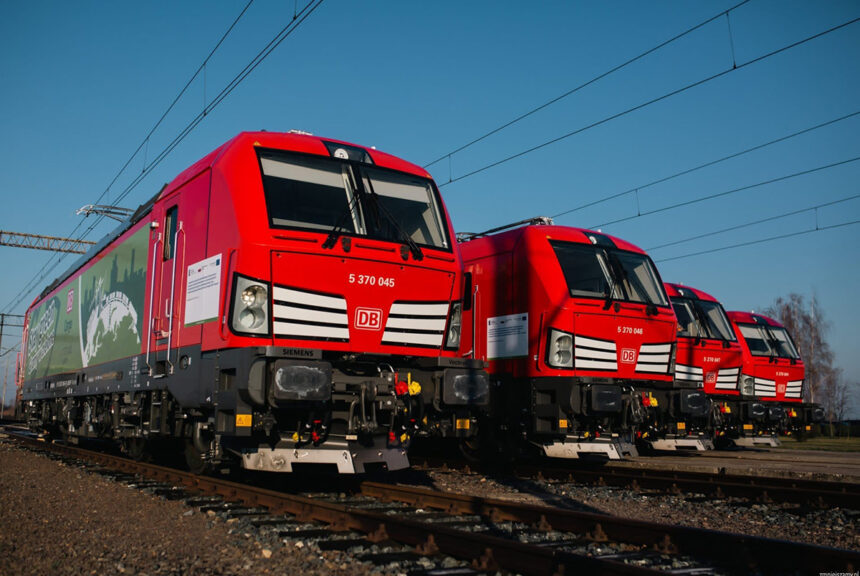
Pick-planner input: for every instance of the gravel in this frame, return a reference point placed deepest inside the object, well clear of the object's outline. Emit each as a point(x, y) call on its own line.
point(833, 527)
point(56, 519)
point(59, 519)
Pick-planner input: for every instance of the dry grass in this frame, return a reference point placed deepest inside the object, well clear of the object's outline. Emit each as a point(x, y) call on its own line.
point(821, 443)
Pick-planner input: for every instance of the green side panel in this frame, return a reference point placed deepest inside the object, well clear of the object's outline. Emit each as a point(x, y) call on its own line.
point(96, 317)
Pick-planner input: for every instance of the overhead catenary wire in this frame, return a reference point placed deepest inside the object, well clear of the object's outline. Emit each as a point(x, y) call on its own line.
point(54, 261)
point(759, 241)
point(665, 96)
point(285, 32)
point(587, 83)
point(708, 164)
point(728, 192)
point(753, 223)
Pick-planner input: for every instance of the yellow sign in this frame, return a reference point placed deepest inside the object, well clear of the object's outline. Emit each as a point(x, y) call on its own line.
point(462, 423)
point(562, 423)
point(243, 420)
point(682, 425)
point(748, 426)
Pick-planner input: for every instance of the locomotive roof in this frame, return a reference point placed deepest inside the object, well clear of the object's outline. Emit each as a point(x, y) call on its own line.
point(293, 141)
point(509, 238)
point(679, 290)
point(739, 317)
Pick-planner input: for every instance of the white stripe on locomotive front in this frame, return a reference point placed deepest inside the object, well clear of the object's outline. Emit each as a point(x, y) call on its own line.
point(595, 355)
point(290, 329)
point(290, 313)
point(308, 299)
point(591, 343)
point(419, 309)
point(596, 364)
point(411, 338)
point(417, 324)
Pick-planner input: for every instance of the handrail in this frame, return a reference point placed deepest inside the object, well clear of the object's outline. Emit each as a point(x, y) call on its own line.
point(225, 300)
point(149, 320)
point(173, 289)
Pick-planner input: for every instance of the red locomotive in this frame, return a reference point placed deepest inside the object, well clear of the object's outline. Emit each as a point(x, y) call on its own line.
point(709, 358)
point(578, 336)
point(286, 300)
point(771, 384)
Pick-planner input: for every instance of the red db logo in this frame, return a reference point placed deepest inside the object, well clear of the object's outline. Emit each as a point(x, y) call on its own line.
point(368, 318)
point(628, 355)
point(711, 378)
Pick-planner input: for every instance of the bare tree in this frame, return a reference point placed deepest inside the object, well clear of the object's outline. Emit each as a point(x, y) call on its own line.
point(807, 325)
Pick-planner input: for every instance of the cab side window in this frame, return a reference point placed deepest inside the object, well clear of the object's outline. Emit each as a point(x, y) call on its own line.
point(170, 232)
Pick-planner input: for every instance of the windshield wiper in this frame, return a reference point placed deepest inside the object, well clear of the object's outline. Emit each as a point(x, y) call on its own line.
point(608, 270)
point(700, 320)
point(417, 254)
point(338, 228)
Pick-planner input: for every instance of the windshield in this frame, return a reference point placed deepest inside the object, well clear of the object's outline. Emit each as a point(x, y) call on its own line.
point(702, 319)
point(768, 341)
point(783, 344)
point(350, 198)
point(596, 272)
point(757, 339)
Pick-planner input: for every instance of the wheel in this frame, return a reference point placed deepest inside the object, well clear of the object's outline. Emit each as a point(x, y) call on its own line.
point(136, 449)
point(195, 459)
point(471, 449)
point(197, 450)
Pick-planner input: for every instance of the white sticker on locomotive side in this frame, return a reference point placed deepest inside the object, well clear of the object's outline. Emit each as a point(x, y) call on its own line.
point(508, 336)
point(203, 291)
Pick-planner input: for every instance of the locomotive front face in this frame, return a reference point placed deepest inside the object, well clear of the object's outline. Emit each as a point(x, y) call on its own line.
point(709, 355)
point(353, 284)
point(381, 279)
point(772, 367)
point(615, 321)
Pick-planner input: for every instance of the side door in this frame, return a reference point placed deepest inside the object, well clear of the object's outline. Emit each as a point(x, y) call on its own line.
point(177, 242)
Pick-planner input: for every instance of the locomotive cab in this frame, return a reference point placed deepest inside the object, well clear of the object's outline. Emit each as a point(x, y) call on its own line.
point(771, 383)
point(709, 362)
point(578, 336)
point(286, 300)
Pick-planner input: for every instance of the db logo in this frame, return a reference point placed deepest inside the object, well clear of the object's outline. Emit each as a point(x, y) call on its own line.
point(368, 318)
point(628, 355)
point(780, 389)
point(711, 377)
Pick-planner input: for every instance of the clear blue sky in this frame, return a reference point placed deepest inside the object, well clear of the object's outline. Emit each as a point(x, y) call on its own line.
point(83, 83)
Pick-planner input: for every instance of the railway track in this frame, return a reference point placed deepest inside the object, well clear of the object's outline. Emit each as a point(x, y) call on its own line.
point(381, 521)
point(764, 489)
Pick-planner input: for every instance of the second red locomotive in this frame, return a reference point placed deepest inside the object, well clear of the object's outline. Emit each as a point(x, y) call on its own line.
point(578, 336)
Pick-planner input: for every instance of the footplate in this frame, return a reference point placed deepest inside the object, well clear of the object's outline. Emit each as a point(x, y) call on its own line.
point(769, 441)
point(686, 443)
point(579, 447)
point(350, 457)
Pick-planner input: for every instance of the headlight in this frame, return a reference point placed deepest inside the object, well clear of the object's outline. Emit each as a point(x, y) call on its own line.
point(250, 306)
point(560, 349)
point(254, 296)
point(747, 385)
point(775, 413)
point(302, 382)
point(462, 387)
point(452, 337)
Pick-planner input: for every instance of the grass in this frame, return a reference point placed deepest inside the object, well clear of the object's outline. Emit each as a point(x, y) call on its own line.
point(821, 443)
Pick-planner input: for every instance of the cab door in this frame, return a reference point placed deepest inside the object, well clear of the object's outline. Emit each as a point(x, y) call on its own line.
point(177, 241)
